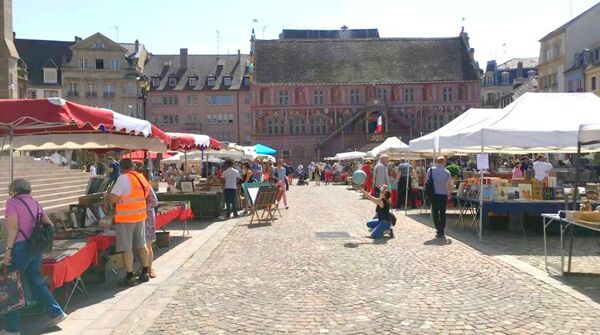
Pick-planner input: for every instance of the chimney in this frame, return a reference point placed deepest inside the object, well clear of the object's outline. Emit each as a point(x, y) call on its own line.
point(137, 46)
point(183, 58)
point(239, 55)
point(520, 70)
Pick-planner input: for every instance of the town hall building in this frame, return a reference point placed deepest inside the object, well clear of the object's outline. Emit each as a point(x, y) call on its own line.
point(318, 92)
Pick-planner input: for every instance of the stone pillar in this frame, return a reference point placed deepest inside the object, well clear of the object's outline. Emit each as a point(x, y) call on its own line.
point(8, 54)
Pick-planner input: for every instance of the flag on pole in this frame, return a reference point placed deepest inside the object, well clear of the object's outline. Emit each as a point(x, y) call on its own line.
point(379, 127)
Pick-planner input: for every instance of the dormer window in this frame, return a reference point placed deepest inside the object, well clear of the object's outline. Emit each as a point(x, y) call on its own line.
point(50, 76)
point(211, 81)
point(227, 81)
point(246, 80)
point(192, 81)
point(155, 81)
point(505, 77)
point(172, 81)
point(99, 45)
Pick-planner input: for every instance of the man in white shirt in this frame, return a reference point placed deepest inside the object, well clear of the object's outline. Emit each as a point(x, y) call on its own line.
point(92, 170)
point(230, 179)
point(541, 168)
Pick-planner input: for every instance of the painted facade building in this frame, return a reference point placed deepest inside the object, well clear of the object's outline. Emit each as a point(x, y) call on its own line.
point(500, 80)
point(105, 74)
point(557, 66)
point(203, 94)
point(592, 69)
point(9, 57)
point(312, 98)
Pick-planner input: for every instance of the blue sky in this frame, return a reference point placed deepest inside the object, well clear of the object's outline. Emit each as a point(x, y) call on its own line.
point(499, 29)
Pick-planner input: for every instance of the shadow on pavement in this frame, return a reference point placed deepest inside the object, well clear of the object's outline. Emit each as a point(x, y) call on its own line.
point(438, 241)
point(530, 249)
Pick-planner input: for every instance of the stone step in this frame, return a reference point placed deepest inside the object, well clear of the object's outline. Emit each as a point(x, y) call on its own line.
point(40, 175)
point(39, 181)
point(51, 203)
point(47, 190)
point(45, 178)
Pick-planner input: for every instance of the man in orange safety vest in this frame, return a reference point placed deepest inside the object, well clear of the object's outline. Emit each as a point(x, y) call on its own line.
point(129, 195)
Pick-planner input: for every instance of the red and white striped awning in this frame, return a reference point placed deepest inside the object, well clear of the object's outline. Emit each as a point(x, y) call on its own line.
point(54, 123)
point(186, 142)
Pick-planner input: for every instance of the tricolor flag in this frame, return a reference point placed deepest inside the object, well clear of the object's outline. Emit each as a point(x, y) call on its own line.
point(379, 127)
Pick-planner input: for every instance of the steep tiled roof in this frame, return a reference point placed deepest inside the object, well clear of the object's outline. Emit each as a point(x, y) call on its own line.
point(38, 54)
point(165, 66)
point(382, 60)
point(341, 33)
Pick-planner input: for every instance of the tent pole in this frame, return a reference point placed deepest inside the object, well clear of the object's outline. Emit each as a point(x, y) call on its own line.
point(184, 161)
point(406, 191)
point(577, 166)
point(481, 200)
point(10, 154)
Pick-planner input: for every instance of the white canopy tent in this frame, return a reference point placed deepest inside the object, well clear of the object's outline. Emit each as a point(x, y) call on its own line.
point(348, 156)
point(449, 138)
point(537, 122)
point(180, 158)
point(589, 134)
point(391, 145)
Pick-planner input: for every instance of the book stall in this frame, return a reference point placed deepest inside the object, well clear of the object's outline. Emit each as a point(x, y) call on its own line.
point(533, 123)
point(84, 239)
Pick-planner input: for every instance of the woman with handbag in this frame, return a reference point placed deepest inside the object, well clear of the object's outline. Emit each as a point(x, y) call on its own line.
point(22, 212)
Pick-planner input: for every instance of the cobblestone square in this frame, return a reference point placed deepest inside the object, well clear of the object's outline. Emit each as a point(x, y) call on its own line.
point(282, 278)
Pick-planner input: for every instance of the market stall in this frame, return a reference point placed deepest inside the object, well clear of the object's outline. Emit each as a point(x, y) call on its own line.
point(535, 122)
point(54, 123)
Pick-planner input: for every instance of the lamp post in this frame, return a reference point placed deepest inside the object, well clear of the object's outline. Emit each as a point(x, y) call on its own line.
point(143, 84)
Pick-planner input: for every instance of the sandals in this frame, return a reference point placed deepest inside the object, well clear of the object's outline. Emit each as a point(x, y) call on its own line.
point(151, 273)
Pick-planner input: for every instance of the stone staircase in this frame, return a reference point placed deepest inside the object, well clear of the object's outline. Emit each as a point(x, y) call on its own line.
point(54, 187)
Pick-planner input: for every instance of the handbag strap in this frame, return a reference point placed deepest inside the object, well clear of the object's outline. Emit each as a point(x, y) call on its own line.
point(30, 212)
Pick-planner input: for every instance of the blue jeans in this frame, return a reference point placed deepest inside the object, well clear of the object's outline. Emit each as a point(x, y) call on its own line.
point(231, 201)
point(30, 272)
point(379, 227)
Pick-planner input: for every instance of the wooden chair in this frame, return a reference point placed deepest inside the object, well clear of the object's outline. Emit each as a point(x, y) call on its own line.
point(264, 207)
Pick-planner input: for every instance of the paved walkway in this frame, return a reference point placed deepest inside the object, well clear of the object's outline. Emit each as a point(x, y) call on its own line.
point(283, 278)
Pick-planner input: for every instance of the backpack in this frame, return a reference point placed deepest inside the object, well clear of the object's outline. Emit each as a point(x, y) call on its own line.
point(42, 235)
point(429, 187)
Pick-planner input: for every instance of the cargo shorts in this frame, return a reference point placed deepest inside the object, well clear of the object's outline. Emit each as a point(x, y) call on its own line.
point(130, 236)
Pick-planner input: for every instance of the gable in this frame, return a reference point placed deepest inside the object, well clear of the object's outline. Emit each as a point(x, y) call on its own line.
point(90, 42)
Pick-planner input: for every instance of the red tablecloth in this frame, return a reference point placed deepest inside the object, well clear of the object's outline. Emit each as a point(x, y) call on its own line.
point(69, 268)
point(165, 218)
point(103, 241)
point(185, 214)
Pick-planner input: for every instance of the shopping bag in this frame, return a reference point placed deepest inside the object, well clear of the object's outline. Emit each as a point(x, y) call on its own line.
point(12, 296)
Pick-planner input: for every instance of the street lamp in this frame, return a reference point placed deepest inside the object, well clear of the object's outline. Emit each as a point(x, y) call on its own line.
point(144, 85)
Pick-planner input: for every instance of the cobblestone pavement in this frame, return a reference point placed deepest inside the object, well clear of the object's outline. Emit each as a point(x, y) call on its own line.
point(281, 278)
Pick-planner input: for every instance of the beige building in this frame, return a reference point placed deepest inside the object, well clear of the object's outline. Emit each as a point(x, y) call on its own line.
point(8, 54)
point(551, 66)
point(105, 74)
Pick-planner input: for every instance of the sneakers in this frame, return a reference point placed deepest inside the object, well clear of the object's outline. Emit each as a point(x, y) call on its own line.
point(389, 232)
point(441, 236)
point(144, 278)
point(57, 319)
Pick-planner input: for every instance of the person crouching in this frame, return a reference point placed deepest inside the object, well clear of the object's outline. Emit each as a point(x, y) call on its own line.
point(382, 223)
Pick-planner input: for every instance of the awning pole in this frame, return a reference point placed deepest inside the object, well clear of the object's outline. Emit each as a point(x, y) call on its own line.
point(577, 166)
point(481, 200)
point(406, 193)
point(10, 154)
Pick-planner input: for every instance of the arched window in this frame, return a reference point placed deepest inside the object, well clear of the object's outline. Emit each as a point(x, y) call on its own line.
point(318, 125)
point(275, 126)
point(297, 126)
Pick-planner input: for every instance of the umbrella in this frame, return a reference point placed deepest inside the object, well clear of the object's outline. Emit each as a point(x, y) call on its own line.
point(264, 150)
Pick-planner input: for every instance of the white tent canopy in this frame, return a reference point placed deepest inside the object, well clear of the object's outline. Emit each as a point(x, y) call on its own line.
point(589, 133)
point(180, 158)
point(537, 122)
point(449, 137)
point(391, 145)
point(345, 156)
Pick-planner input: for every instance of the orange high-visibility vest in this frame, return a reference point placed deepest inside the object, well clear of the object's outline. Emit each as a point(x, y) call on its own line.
point(132, 208)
